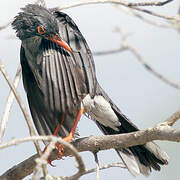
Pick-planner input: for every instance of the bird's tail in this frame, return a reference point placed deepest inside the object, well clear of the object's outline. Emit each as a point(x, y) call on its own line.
point(138, 159)
point(141, 158)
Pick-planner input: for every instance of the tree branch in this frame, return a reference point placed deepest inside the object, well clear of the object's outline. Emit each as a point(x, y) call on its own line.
point(155, 3)
point(9, 103)
point(125, 46)
point(5, 25)
point(22, 107)
point(96, 143)
point(120, 2)
point(173, 24)
point(134, 6)
point(19, 100)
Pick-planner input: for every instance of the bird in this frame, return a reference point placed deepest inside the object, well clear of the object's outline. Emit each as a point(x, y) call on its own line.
point(59, 78)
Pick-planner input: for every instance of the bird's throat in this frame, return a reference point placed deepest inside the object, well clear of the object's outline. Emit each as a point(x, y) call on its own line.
point(32, 45)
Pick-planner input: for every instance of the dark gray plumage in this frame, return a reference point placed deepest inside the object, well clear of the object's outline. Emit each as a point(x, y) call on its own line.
point(58, 83)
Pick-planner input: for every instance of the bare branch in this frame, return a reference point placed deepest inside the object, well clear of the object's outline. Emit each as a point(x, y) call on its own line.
point(111, 51)
point(22, 167)
point(20, 102)
point(118, 164)
point(120, 2)
point(111, 165)
point(5, 25)
point(126, 46)
point(97, 165)
point(155, 3)
point(9, 102)
point(173, 118)
point(18, 98)
point(155, 14)
point(96, 143)
point(43, 159)
point(150, 69)
point(134, 13)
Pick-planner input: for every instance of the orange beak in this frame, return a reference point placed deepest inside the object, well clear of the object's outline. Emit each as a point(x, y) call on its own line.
point(60, 42)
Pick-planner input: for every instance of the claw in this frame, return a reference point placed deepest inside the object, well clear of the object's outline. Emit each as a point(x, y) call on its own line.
point(50, 162)
point(60, 151)
point(60, 147)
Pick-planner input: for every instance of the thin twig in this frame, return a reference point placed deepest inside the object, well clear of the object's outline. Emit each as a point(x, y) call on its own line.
point(155, 14)
point(97, 165)
point(5, 25)
point(173, 118)
point(134, 13)
point(120, 2)
point(42, 159)
point(24, 111)
point(118, 164)
point(149, 67)
point(155, 3)
point(18, 98)
point(111, 165)
point(107, 52)
point(9, 103)
point(126, 46)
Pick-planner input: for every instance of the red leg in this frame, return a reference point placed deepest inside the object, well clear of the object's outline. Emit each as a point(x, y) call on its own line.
point(55, 134)
point(71, 134)
point(58, 126)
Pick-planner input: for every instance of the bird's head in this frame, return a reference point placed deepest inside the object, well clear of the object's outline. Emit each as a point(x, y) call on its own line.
point(38, 21)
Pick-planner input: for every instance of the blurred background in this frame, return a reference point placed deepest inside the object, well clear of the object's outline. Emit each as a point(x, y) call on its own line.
point(141, 96)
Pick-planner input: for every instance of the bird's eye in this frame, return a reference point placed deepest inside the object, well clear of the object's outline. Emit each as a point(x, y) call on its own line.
point(41, 30)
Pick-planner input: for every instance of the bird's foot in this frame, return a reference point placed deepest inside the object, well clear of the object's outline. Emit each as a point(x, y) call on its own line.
point(60, 147)
point(48, 160)
point(60, 151)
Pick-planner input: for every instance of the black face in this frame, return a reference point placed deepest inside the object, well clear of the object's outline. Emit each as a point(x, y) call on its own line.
point(35, 21)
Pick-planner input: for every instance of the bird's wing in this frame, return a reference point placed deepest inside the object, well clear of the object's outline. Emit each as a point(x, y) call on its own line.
point(82, 55)
point(79, 69)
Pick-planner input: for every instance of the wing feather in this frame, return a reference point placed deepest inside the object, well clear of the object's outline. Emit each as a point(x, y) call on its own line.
point(81, 56)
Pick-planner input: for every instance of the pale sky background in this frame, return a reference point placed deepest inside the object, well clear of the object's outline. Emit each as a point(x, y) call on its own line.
point(145, 99)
